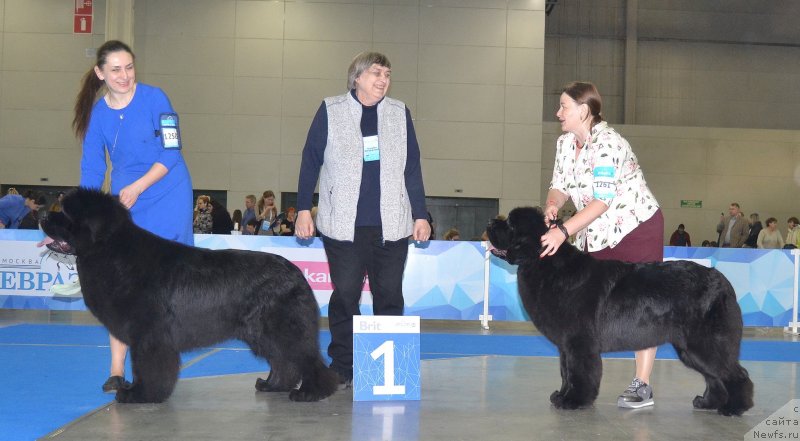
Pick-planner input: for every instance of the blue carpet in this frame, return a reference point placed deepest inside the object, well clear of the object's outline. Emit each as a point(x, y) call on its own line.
point(51, 374)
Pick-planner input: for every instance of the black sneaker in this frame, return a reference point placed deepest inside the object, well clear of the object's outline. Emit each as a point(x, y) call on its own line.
point(639, 394)
point(114, 383)
point(345, 382)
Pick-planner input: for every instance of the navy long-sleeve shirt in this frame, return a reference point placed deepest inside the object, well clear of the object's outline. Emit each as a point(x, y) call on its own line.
point(369, 197)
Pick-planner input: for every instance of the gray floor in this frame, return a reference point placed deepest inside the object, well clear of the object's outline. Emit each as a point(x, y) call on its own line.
point(474, 398)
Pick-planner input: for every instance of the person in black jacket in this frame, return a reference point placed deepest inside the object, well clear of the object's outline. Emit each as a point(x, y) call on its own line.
point(755, 228)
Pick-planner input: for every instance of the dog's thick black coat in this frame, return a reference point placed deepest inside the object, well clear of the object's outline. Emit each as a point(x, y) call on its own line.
point(161, 297)
point(587, 306)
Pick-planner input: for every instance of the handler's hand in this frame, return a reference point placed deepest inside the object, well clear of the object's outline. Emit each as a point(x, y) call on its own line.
point(129, 195)
point(551, 241)
point(304, 225)
point(550, 214)
point(422, 230)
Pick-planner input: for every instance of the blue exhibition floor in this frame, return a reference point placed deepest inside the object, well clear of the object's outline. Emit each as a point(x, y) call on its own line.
point(51, 374)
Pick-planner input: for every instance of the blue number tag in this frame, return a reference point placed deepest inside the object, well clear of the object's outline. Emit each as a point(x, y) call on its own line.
point(371, 150)
point(170, 131)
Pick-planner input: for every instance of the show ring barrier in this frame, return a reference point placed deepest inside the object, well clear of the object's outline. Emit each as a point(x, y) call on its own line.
point(450, 280)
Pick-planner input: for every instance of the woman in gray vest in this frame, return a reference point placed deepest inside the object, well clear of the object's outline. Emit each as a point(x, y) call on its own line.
point(363, 149)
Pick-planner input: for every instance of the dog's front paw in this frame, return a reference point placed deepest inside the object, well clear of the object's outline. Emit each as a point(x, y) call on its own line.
point(128, 396)
point(556, 398)
point(137, 394)
point(265, 386)
point(700, 402)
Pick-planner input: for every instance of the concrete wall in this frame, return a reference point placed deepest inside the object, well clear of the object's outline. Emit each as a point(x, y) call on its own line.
point(248, 76)
point(711, 90)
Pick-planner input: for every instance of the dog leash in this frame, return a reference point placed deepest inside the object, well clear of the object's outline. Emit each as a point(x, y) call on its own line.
point(558, 223)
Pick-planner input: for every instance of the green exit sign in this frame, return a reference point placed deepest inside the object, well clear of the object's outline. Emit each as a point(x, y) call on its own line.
point(688, 203)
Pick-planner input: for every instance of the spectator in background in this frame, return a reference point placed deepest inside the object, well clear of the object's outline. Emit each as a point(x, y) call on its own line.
point(752, 235)
point(251, 227)
point(15, 208)
point(793, 233)
point(236, 218)
point(680, 238)
point(203, 221)
point(249, 211)
point(770, 237)
point(706, 243)
point(267, 213)
point(287, 224)
point(452, 234)
point(12, 190)
point(733, 229)
point(56, 207)
point(221, 222)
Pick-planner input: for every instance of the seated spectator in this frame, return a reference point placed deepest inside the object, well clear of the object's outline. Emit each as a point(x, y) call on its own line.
point(236, 217)
point(680, 238)
point(287, 224)
point(14, 208)
point(793, 233)
point(203, 221)
point(452, 234)
point(770, 237)
point(249, 209)
point(251, 227)
point(752, 236)
point(706, 243)
point(56, 207)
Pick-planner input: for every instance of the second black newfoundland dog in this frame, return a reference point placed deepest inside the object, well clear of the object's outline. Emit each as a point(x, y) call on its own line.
point(587, 306)
point(161, 298)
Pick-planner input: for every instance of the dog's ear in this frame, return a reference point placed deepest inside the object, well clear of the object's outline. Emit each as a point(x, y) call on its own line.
point(91, 213)
point(526, 225)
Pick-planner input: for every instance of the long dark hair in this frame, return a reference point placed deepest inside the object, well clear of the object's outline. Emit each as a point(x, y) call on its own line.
point(90, 85)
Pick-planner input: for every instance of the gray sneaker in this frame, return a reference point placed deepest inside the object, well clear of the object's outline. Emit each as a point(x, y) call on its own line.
point(639, 394)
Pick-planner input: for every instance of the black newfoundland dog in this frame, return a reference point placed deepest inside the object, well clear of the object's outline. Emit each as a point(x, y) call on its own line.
point(161, 298)
point(587, 306)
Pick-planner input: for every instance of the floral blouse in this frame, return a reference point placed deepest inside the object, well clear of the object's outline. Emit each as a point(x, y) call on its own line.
point(606, 169)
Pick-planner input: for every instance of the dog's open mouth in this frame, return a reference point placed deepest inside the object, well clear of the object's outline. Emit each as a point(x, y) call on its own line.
point(59, 246)
point(498, 253)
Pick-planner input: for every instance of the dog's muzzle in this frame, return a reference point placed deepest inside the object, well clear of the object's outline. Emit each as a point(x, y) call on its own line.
point(60, 246)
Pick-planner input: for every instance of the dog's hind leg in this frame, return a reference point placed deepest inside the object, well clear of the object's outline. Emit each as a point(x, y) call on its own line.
point(740, 391)
point(702, 359)
point(156, 363)
point(319, 381)
point(282, 378)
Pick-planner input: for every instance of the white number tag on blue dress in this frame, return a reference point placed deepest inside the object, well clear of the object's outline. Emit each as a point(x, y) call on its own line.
point(170, 131)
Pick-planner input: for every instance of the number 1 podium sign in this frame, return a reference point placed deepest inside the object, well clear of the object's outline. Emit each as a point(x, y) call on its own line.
point(385, 358)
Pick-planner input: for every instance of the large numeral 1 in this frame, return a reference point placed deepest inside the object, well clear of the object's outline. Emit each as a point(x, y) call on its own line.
point(388, 388)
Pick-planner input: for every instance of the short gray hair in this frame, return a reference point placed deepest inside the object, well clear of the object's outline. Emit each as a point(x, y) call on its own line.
point(362, 62)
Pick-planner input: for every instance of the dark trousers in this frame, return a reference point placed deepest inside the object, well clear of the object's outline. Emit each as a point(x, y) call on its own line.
point(383, 262)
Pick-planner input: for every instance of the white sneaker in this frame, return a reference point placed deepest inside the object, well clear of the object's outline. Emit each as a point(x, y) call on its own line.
point(67, 289)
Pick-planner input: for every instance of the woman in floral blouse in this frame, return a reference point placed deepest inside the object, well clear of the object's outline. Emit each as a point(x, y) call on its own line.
point(617, 216)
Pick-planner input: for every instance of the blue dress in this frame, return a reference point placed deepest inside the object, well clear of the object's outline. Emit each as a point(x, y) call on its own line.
point(131, 138)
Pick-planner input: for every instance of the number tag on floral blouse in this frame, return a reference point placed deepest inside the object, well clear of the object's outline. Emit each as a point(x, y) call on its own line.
point(170, 131)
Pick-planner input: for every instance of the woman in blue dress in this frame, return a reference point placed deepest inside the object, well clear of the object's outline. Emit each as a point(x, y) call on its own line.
point(147, 173)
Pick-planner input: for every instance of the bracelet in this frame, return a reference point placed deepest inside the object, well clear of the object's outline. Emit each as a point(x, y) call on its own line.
point(563, 230)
